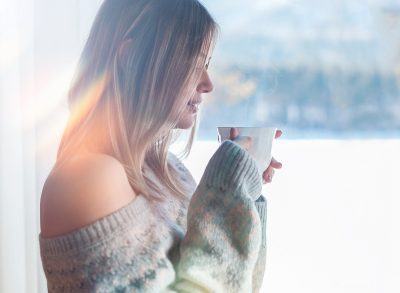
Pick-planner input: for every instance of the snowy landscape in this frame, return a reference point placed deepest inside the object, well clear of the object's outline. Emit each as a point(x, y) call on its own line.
point(333, 220)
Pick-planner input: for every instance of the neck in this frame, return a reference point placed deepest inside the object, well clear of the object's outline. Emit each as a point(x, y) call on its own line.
point(98, 139)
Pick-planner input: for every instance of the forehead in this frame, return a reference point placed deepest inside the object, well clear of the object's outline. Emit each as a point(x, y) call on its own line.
point(208, 54)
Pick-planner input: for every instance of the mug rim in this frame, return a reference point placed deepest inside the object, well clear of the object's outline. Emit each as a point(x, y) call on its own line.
point(246, 127)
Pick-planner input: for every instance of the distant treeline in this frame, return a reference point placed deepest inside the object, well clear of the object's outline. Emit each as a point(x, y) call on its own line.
point(304, 98)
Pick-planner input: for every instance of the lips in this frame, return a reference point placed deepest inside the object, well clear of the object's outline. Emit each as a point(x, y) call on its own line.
point(194, 102)
point(193, 105)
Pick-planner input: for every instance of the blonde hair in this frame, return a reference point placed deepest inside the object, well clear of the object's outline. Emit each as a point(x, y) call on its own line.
point(138, 70)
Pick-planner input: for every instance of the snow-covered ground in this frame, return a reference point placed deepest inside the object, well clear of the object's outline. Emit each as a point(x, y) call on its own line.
point(333, 215)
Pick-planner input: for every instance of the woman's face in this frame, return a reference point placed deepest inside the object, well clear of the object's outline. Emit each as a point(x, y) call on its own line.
point(204, 86)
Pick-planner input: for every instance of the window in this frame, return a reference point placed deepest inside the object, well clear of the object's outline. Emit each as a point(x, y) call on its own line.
point(328, 74)
point(325, 72)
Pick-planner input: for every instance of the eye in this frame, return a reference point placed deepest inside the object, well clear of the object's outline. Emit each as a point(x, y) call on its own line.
point(208, 64)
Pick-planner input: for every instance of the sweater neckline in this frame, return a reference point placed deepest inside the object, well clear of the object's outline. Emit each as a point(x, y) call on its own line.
point(100, 229)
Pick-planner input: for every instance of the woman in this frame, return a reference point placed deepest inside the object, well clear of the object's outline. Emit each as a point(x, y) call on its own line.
point(119, 212)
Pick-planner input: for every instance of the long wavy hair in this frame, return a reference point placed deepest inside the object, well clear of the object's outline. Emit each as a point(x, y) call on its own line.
point(138, 70)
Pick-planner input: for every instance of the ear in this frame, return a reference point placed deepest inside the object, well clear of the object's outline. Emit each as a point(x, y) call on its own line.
point(123, 51)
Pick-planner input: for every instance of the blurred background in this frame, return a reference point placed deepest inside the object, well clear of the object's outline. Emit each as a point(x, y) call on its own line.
point(327, 73)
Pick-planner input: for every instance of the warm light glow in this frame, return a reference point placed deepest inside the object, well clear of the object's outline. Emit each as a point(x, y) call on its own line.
point(89, 99)
point(52, 113)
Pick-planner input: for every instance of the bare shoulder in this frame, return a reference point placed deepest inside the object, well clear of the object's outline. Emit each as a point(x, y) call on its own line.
point(85, 189)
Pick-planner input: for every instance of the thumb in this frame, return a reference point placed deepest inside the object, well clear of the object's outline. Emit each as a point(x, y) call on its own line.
point(234, 132)
point(244, 141)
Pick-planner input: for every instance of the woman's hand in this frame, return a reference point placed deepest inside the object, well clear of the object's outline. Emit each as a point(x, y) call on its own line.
point(269, 173)
point(246, 142)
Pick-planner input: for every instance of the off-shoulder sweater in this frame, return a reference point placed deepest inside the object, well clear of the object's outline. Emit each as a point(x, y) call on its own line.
point(213, 242)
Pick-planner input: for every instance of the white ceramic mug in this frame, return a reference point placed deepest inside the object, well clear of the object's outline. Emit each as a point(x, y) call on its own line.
point(262, 139)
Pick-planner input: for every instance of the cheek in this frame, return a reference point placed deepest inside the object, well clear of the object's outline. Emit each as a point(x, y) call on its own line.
point(187, 121)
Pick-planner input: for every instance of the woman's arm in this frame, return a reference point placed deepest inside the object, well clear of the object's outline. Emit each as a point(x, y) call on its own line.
point(224, 235)
point(259, 270)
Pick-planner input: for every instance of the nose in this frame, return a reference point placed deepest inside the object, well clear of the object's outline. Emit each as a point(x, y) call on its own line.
point(205, 85)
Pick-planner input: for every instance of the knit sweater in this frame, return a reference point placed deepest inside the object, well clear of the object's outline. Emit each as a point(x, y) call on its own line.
point(214, 242)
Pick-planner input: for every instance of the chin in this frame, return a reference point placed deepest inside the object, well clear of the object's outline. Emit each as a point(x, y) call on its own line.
point(186, 122)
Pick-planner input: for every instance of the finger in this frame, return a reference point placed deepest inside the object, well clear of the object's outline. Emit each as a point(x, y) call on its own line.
point(234, 132)
point(278, 133)
point(244, 141)
point(275, 164)
point(268, 171)
point(268, 174)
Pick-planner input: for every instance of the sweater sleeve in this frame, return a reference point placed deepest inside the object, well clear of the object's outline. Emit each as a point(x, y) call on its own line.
point(259, 270)
point(220, 250)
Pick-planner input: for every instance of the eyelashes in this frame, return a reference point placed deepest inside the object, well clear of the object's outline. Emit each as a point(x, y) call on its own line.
point(208, 64)
point(201, 68)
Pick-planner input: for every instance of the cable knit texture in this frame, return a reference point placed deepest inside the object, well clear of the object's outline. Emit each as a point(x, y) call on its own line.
point(214, 242)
